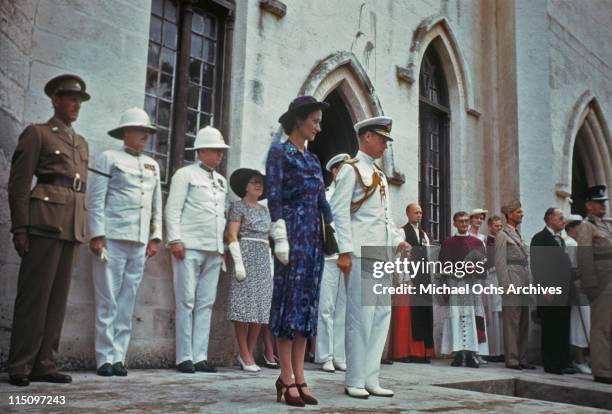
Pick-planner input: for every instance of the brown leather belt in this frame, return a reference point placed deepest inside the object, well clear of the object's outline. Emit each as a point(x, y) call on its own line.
point(74, 183)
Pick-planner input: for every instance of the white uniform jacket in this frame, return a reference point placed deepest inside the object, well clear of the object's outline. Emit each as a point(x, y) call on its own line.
point(196, 209)
point(125, 200)
point(372, 224)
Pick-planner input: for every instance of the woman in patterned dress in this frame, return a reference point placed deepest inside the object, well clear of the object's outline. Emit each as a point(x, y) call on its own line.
point(251, 287)
point(296, 199)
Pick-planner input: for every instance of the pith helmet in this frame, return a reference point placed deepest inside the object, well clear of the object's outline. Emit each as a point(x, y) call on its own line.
point(132, 118)
point(209, 137)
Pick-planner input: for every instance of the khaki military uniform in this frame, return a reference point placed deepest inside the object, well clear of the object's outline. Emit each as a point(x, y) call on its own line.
point(595, 266)
point(512, 265)
point(53, 214)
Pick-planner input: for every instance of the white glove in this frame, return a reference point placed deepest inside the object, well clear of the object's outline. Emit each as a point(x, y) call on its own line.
point(239, 271)
point(278, 231)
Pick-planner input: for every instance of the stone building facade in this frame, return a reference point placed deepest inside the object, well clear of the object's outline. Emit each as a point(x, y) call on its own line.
point(491, 100)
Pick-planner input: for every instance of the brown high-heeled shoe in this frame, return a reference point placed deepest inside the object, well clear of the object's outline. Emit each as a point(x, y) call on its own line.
point(307, 398)
point(282, 388)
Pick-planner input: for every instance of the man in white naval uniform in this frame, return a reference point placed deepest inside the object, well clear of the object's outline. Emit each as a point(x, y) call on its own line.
point(332, 299)
point(195, 221)
point(360, 206)
point(125, 227)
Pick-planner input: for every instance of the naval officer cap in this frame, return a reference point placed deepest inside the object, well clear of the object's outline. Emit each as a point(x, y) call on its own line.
point(336, 159)
point(379, 124)
point(209, 137)
point(573, 218)
point(65, 84)
point(132, 118)
point(596, 193)
point(510, 207)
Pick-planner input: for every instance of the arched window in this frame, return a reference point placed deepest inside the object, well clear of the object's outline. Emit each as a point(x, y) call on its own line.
point(434, 117)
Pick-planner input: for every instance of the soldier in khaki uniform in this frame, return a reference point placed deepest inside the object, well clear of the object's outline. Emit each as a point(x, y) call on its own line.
point(595, 267)
point(512, 264)
point(48, 223)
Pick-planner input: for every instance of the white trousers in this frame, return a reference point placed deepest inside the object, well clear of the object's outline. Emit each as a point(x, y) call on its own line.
point(332, 314)
point(195, 289)
point(116, 282)
point(367, 324)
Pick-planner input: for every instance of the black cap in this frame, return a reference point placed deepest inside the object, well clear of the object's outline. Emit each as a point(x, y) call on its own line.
point(65, 84)
point(299, 103)
point(596, 193)
point(241, 177)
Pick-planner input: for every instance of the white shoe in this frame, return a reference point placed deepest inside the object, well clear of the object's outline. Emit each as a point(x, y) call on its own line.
point(356, 392)
point(248, 368)
point(328, 366)
point(480, 360)
point(379, 391)
point(582, 368)
point(340, 366)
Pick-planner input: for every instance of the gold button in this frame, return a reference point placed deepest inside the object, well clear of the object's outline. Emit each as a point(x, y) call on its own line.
point(46, 198)
point(57, 152)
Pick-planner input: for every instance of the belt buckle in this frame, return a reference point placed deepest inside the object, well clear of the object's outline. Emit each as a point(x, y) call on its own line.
point(77, 184)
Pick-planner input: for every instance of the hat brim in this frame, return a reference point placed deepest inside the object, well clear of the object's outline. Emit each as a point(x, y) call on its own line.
point(312, 106)
point(50, 86)
point(118, 132)
point(240, 179)
point(383, 134)
point(212, 146)
point(599, 199)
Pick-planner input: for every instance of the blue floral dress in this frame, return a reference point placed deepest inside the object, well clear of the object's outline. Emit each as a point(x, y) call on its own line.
point(296, 193)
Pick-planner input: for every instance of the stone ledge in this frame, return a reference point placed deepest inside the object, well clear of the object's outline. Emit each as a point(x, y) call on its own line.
point(276, 7)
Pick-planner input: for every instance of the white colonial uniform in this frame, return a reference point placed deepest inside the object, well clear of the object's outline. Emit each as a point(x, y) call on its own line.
point(367, 321)
point(125, 207)
point(332, 309)
point(195, 216)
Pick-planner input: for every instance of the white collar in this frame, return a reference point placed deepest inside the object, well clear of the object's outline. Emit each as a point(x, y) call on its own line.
point(363, 156)
point(553, 232)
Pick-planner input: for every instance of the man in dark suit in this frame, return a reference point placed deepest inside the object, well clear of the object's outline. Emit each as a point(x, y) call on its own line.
point(551, 267)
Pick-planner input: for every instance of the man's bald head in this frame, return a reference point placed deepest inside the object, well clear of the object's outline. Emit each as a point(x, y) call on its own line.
point(414, 213)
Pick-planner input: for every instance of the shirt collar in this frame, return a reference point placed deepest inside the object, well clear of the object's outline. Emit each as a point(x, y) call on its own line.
point(553, 232)
point(61, 124)
point(362, 155)
point(131, 151)
point(206, 167)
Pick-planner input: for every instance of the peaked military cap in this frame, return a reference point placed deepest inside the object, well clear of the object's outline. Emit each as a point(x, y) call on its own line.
point(596, 193)
point(379, 124)
point(67, 83)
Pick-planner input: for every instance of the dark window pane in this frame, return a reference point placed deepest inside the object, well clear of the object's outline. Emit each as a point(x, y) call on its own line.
point(197, 23)
point(165, 86)
point(210, 24)
point(156, 7)
point(161, 141)
point(192, 122)
point(150, 106)
point(204, 120)
point(151, 84)
point(163, 168)
point(170, 11)
point(194, 70)
point(208, 53)
point(153, 59)
point(196, 46)
point(163, 117)
point(169, 35)
point(192, 98)
point(208, 75)
point(206, 105)
point(155, 29)
point(167, 62)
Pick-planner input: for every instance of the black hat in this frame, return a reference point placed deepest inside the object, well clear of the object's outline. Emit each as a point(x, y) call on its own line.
point(301, 102)
point(64, 84)
point(596, 193)
point(241, 177)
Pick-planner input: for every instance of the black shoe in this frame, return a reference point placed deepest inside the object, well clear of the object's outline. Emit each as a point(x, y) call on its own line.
point(458, 360)
point(204, 366)
point(555, 371)
point(528, 366)
point(569, 371)
point(605, 380)
point(186, 367)
point(517, 367)
point(55, 377)
point(19, 380)
point(386, 361)
point(119, 370)
point(470, 361)
point(105, 370)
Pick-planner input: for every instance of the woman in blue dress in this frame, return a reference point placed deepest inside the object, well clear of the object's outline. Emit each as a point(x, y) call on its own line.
point(297, 204)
